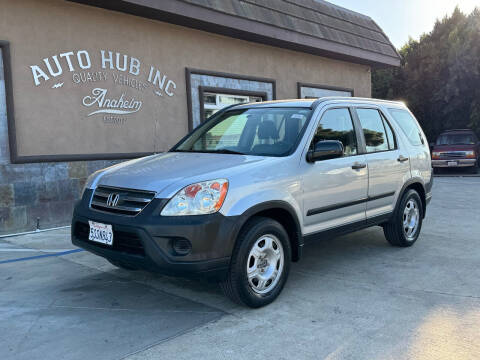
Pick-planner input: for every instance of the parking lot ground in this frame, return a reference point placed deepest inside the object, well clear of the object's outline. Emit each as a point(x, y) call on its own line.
point(353, 297)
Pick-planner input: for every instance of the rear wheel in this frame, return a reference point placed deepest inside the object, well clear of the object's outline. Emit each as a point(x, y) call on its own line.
point(260, 263)
point(404, 228)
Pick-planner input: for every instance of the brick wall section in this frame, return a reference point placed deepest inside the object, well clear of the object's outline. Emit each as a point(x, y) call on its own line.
point(46, 191)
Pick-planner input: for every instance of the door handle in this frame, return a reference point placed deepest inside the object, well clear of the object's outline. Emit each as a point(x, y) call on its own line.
point(357, 166)
point(402, 158)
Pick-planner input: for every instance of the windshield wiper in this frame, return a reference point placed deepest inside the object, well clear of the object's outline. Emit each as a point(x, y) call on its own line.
point(226, 151)
point(216, 151)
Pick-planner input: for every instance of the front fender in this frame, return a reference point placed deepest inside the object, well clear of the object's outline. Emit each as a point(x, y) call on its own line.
point(247, 207)
point(240, 205)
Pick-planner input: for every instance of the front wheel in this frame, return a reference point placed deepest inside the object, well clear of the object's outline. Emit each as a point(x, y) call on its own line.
point(404, 228)
point(260, 263)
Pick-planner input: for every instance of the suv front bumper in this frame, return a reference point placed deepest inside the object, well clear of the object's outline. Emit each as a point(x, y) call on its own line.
point(460, 163)
point(146, 241)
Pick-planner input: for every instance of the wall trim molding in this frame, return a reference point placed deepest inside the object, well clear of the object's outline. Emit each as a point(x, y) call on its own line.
point(7, 73)
point(79, 157)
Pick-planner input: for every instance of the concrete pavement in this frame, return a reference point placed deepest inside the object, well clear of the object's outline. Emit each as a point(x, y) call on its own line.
point(353, 297)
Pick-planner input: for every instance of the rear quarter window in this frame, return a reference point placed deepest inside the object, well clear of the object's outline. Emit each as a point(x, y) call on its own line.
point(408, 124)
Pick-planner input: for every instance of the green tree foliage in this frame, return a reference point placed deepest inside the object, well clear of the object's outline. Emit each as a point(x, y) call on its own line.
point(439, 77)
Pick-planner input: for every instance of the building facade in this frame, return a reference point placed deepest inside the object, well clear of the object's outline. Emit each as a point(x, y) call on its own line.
point(86, 84)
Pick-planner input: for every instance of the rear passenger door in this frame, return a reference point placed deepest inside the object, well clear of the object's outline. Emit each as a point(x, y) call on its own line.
point(388, 164)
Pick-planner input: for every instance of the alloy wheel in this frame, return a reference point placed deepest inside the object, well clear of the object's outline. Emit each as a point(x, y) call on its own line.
point(411, 219)
point(265, 264)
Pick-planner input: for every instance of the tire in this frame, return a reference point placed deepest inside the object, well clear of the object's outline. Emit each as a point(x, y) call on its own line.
point(410, 207)
point(259, 247)
point(122, 265)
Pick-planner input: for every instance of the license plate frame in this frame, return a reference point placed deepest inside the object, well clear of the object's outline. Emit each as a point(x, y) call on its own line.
point(100, 233)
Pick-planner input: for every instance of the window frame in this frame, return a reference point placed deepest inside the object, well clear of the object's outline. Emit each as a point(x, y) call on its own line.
point(383, 118)
point(218, 106)
point(354, 125)
point(224, 91)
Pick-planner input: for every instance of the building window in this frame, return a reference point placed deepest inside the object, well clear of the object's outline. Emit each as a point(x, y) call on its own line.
point(314, 91)
point(213, 102)
point(210, 91)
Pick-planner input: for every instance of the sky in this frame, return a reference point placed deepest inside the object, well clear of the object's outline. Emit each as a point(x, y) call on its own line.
point(400, 19)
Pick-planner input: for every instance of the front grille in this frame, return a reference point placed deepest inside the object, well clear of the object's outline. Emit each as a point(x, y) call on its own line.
point(130, 202)
point(453, 154)
point(125, 242)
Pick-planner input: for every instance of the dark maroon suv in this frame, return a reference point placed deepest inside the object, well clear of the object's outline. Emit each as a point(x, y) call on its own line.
point(456, 148)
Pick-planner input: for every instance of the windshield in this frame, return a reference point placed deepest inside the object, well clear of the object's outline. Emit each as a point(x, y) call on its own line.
point(456, 139)
point(257, 131)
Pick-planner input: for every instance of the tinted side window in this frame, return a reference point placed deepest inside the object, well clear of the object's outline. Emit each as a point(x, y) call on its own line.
point(337, 124)
point(373, 130)
point(408, 124)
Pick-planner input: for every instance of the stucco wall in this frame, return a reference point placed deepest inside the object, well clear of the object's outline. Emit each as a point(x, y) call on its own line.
point(52, 120)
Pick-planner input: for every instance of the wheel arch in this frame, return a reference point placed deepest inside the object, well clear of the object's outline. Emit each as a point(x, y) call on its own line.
point(282, 212)
point(419, 187)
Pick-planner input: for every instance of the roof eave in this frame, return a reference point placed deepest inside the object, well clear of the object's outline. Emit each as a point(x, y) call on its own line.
point(196, 17)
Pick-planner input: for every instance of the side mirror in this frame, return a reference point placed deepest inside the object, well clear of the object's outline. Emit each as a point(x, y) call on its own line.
point(324, 150)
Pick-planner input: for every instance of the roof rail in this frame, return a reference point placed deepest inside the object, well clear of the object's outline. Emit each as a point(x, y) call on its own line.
point(349, 98)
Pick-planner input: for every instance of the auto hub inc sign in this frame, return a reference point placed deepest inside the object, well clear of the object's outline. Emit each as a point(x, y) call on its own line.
point(115, 84)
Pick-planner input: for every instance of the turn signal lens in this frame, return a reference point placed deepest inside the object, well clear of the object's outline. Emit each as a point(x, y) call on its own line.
point(223, 192)
point(470, 154)
point(198, 199)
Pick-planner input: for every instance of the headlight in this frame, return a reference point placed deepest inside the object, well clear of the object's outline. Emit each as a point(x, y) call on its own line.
point(197, 199)
point(470, 154)
point(435, 154)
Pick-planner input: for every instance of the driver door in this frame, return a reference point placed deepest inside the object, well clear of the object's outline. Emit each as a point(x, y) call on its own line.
point(335, 190)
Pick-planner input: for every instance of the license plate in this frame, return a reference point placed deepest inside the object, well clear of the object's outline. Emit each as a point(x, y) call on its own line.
point(101, 233)
point(452, 163)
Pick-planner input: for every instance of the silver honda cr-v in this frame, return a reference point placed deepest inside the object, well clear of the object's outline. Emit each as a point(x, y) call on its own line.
point(237, 199)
